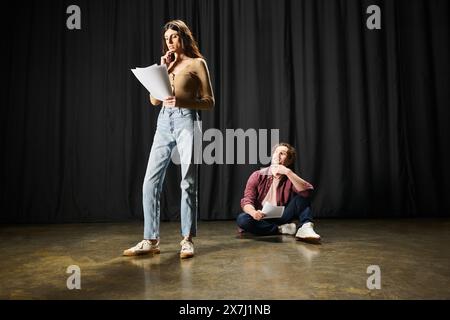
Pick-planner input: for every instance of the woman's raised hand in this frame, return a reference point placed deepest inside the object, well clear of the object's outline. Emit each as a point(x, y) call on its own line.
point(168, 58)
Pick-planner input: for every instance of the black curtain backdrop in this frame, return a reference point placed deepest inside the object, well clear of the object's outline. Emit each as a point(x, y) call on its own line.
point(367, 110)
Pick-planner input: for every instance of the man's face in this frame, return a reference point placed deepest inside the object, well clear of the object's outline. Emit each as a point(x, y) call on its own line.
point(280, 156)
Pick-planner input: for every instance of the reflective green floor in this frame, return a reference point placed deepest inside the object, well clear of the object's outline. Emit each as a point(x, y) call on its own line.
point(413, 256)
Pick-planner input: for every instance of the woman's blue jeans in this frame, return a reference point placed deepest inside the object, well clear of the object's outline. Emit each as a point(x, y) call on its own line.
point(297, 208)
point(175, 127)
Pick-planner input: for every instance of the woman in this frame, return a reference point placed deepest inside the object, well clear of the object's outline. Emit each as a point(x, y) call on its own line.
point(191, 89)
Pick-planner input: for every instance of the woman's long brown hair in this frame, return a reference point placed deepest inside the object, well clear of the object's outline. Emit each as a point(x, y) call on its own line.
point(188, 43)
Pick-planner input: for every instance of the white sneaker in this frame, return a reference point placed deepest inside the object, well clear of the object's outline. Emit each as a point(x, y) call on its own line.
point(307, 233)
point(187, 249)
point(143, 247)
point(288, 228)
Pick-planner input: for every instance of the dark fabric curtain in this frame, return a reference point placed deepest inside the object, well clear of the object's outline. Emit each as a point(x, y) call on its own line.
point(367, 110)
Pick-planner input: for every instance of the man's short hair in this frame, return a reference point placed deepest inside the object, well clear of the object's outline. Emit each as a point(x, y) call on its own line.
point(291, 153)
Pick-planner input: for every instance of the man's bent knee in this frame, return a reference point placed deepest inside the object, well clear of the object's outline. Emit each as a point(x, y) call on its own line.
point(243, 220)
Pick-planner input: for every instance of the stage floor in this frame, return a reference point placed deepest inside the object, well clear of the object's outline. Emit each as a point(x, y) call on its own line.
point(413, 256)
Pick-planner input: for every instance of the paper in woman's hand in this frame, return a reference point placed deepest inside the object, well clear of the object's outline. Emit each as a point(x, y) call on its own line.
point(272, 211)
point(155, 79)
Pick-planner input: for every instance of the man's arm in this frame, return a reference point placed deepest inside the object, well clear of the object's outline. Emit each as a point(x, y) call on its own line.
point(250, 195)
point(299, 184)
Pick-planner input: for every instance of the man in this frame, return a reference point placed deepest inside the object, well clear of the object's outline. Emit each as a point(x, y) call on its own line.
point(280, 186)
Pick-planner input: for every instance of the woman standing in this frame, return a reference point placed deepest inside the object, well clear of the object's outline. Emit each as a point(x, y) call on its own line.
point(191, 89)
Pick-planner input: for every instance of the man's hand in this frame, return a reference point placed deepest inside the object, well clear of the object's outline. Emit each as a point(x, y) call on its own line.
point(278, 169)
point(258, 215)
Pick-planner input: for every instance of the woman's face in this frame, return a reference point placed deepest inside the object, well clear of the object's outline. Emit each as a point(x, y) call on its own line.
point(280, 156)
point(173, 40)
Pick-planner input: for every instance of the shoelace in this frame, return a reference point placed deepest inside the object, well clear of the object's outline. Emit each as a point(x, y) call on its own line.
point(186, 245)
point(140, 245)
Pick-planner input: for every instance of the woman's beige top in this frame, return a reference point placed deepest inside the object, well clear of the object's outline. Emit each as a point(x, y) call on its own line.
point(191, 86)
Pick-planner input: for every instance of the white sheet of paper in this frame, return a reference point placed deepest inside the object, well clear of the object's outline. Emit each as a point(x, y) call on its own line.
point(272, 211)
point(155, 79)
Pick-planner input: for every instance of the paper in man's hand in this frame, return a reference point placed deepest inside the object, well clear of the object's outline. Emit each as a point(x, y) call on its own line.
point(155, 79)
point(272, 211)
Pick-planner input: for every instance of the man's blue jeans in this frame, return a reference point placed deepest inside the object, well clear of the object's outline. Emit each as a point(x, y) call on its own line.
point(297, 208)
point(175, 127)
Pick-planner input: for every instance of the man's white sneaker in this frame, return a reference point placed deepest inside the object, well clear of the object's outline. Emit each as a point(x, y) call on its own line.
point(307, 233)
point(187, 249)
point(288, 228)
point(143, 247)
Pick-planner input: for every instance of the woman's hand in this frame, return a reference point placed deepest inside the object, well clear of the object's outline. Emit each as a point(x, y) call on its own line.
point(170, 101)
point(258, 215)
point(168, 58)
